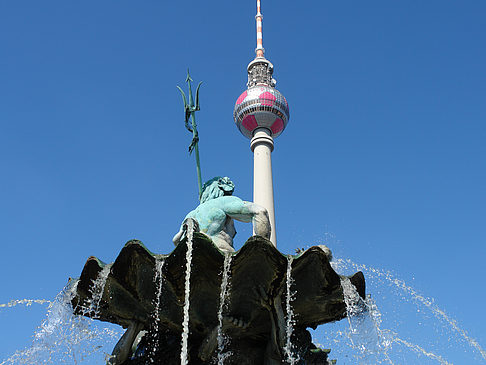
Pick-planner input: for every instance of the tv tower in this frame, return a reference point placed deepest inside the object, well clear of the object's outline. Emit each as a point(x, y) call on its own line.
point(261, 113)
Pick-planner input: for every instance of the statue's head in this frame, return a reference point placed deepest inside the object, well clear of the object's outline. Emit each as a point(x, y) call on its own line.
point(216, 187)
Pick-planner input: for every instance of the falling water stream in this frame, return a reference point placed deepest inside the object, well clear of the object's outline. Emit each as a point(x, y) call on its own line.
point(416, 297)
point(97, 290)
point(394, 325)
point(185, 322)
point(364, 320)
point(291, 357)
point(64, 338)
point(223, 302)
point(158, 280)
point(26, 302)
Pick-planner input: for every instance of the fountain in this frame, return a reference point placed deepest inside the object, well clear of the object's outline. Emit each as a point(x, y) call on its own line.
point(66, 339)
point(258, 312)
point(205, 302)
point(210, 303)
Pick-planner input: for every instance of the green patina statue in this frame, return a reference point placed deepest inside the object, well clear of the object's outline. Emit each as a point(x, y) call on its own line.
point(218, 209)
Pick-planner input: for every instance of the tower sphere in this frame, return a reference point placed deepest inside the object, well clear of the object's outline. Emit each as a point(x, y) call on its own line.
point(261, 106)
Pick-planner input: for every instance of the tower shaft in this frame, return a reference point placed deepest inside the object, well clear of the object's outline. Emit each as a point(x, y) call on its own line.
point(262, 147)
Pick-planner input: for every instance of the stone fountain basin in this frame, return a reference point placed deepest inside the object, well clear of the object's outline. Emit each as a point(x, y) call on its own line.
point(257, 277)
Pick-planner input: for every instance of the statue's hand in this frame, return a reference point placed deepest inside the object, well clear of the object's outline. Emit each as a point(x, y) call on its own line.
point(194, 141)
point(261, 222)
point(182, 234)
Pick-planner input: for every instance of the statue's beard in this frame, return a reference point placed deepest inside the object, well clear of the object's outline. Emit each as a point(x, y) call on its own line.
point(227, 192)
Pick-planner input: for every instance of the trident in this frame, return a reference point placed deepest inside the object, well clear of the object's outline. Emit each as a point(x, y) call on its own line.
point(190, 109)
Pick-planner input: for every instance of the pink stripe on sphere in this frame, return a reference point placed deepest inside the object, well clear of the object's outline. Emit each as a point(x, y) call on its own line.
point(277, 126)
point(249, 122)
point(267, 98)
point(241, 98)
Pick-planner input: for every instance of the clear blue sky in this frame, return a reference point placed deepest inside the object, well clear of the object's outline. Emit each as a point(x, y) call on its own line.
point(385, 149)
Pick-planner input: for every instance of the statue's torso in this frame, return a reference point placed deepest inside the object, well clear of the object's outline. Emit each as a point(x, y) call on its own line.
point(214, 221)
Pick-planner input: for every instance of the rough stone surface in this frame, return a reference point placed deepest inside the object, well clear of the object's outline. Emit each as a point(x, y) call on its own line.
point(257, 295)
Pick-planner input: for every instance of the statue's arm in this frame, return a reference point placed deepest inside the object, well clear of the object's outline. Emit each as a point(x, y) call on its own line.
point(247, 211)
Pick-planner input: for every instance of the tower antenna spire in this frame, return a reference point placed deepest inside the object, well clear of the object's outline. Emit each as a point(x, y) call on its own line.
point(259, 17)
